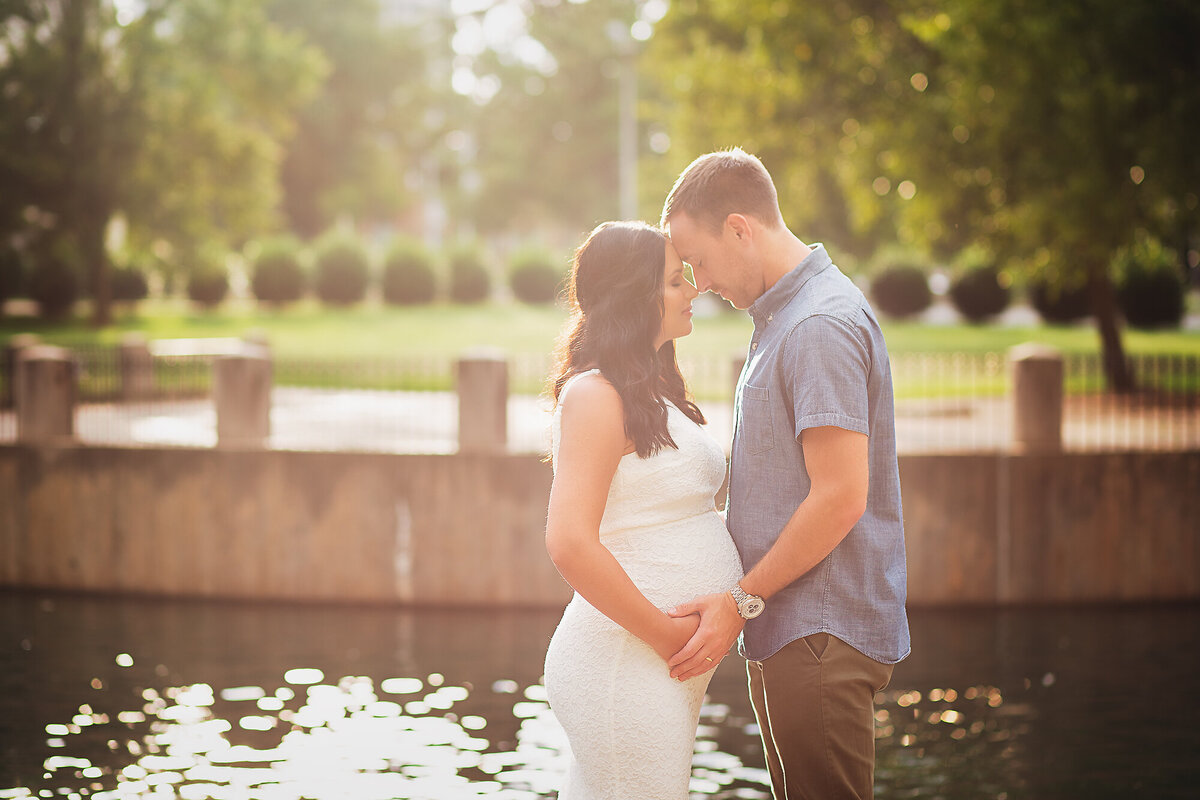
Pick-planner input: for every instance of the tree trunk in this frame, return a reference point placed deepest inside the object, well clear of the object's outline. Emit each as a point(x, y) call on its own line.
point(1117, 372)
point(95, 257)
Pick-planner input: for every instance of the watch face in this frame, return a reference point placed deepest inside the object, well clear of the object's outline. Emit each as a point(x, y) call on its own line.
point(751, 607)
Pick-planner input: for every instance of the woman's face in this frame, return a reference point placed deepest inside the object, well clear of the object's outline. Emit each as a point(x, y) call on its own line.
point(677, 297)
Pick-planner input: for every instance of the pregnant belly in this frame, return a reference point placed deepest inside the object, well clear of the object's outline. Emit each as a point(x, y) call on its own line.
point(676, 562)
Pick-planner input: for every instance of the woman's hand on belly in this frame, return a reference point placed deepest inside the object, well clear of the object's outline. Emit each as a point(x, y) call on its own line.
point(676, 632)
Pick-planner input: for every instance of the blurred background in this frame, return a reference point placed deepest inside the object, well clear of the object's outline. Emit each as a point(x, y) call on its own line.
point(348, 199)
point(377, 181)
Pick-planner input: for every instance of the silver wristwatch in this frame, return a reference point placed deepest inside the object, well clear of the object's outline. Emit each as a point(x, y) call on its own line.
point(749, 606)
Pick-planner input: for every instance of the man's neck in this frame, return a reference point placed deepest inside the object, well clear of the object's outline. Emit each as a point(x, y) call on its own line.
point(784, 252)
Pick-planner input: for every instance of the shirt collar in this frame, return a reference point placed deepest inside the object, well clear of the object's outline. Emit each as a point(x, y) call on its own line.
point(779, 295)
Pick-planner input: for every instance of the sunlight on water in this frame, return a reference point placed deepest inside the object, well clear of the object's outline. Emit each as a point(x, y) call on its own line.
point(343, 739)
point(410, 737)
point(127, 699)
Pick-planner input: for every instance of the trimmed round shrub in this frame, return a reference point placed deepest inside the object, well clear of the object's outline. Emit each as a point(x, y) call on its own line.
point(534, 278)
point(55, 283)
point(342, 271)
point(408, 275)
point(208, 284)
point(980, 293)
point(1059, 304)
point(901, 290)
point(12, 273)
point(469, 281)
point(278, 275)
point(129, 285)
point(1151, 289)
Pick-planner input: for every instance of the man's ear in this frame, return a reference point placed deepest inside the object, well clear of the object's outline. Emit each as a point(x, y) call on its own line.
point(738, 225)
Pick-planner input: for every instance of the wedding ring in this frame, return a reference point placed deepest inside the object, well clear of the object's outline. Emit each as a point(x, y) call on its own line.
point(706, 658)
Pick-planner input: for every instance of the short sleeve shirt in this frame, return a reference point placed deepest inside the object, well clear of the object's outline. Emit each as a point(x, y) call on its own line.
point(817, 358)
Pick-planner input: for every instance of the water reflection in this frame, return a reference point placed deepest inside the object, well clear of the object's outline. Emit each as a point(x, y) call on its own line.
point(111, 699)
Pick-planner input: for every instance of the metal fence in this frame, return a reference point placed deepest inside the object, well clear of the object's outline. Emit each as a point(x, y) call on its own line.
point(954, 402)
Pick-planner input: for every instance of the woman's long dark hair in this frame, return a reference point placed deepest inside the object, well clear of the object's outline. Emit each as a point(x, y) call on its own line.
point(616, 305)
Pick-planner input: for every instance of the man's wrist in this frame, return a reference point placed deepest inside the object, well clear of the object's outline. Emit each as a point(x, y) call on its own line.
point(748, 605)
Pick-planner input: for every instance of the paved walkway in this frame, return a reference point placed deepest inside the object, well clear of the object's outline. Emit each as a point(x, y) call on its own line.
point(427, 422)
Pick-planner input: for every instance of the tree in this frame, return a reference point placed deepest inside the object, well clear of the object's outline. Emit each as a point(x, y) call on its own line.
point(793, 83)
point(354, 140)
point(1069, 123)
point(170, 115)
point(554, 157)
point(1048, 133)
point(66, 140)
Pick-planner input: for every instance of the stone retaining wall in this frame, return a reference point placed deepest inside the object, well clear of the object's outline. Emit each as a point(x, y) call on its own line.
point(467, 529)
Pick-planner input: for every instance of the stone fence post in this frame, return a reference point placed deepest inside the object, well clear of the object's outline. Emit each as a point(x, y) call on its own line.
point(482, 384)
point(45, 395)
point(12, 351)
point(242, 395)
point(1037, 374)
point(137, 367)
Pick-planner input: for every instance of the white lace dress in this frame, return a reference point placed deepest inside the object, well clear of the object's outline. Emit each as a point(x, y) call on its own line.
point(631, 727)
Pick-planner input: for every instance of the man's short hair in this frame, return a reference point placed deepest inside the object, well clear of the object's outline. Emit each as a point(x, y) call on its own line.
point(722, 183)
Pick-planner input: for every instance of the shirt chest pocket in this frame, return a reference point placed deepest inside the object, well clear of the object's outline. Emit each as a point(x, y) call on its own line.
point(756, 433)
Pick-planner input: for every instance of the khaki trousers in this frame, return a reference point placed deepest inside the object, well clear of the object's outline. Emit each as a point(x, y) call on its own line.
point(815, 704)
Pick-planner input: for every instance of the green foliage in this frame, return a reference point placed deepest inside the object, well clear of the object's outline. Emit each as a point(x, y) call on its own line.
point(1150, 286)
point(534, 277)
point(469, 280)
point(1059, 303)
point(55, 282)
point(342, 271)
point(208, 282)
point(547, 149)
point(12, 273)
point(408, 274)
point(129, 284)
point(900, 289)
point(172, 116)
point(221, 91)
point(355, 136)
point(796, 83)
point(278, 274)
point(1048, 132)
point(979, 290)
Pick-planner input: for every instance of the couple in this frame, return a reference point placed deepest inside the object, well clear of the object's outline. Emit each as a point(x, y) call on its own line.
point(807, 564)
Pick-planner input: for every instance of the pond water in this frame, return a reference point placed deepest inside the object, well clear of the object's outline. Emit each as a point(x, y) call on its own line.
point(122, 698)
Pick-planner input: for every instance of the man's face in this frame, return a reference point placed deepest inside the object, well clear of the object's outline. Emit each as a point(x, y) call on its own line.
point(719, 264)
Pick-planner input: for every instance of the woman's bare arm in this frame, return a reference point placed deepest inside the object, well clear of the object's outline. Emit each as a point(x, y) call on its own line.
point(591, 446)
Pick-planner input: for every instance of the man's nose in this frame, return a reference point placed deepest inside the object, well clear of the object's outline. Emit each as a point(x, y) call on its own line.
point(703, 284)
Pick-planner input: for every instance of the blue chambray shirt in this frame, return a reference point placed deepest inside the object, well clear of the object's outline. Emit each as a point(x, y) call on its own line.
point(818, 358)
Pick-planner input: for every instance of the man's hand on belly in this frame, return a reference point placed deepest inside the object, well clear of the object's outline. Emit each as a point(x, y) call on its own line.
point(720, 625)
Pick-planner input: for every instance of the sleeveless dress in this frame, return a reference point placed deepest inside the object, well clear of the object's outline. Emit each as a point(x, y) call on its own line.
point(631, 727)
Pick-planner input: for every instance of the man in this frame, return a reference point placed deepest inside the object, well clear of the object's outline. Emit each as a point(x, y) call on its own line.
point(814, 488)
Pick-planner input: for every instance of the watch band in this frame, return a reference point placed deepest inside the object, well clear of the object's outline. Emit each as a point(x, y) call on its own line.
point(748, 605)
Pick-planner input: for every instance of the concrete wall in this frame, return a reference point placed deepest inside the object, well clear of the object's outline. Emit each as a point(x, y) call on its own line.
point(272, 524)
point(1052, 528)
point(467, 529)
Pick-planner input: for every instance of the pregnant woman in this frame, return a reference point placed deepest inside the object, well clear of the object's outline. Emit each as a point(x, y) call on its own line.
point(632, 524)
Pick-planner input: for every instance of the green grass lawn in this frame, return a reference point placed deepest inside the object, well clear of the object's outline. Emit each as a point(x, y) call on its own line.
point(319, 346)
point(372, 331)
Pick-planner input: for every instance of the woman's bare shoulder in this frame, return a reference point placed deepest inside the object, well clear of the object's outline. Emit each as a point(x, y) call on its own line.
point(589, 394)
point(592, 408)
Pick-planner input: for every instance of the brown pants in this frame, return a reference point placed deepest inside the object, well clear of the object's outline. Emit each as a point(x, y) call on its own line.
point(815, 704)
